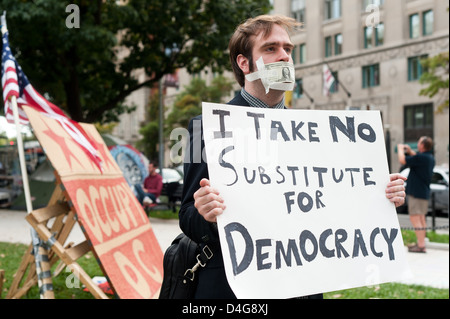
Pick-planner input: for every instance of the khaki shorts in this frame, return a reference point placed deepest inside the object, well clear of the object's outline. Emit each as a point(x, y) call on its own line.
point(417, 206)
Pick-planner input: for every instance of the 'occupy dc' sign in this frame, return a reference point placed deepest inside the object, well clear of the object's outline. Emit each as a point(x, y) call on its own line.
point(305, 195)
point(111, 218)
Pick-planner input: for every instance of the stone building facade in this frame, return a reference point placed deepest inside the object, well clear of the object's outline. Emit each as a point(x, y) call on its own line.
point(373, 48)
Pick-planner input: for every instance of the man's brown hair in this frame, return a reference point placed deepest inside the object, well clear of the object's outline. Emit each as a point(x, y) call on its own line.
point(242, 41)
point(427, 143)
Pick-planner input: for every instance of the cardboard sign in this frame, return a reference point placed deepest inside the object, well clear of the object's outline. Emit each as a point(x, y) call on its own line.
point(112, 219)
point(305, 195)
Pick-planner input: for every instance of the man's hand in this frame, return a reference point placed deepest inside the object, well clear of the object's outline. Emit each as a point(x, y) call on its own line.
point(208, 201)
point(395, 189)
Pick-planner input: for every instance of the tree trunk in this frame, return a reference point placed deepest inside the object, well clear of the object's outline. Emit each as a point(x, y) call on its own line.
point(73, 100)
point(72, 87)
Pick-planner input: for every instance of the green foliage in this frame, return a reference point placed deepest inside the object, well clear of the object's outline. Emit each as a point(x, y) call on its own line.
point(11, 256)
point(188, 104)
point(150, 131)
point(389, 291)
point(163, 214)
point(88, 71)
point(409, 237)
point(150, 139)
point(436, 77)
point(105, 128)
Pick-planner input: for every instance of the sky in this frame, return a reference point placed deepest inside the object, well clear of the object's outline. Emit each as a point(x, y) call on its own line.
point(10, 129)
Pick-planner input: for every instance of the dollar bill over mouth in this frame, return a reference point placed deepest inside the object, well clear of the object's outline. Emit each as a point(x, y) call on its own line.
point(277, 75)
point(279, 72)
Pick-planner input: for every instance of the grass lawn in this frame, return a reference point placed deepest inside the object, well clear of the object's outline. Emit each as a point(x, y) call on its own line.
point(163, 214)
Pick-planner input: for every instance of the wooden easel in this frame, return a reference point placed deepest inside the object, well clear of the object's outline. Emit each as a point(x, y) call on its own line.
point(63, 216)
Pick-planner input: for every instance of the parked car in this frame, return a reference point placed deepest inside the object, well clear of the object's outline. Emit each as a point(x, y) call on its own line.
point(180, 169)
point(5, 199)
point(170, 175)
point(172, 186)
point(439, 190)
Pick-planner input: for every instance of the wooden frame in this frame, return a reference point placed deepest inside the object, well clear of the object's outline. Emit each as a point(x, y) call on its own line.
point(2, 276)
point(52, 236)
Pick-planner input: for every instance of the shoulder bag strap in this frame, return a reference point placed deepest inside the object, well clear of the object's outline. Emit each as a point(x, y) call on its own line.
point(202, 258)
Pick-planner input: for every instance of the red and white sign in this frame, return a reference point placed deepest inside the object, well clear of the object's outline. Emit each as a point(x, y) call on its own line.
point(112, 219)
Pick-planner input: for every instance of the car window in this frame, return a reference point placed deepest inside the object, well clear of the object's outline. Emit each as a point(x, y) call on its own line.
point(171, 174)
point(437, 178)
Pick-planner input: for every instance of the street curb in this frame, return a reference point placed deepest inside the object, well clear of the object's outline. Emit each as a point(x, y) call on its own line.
point(440, 246)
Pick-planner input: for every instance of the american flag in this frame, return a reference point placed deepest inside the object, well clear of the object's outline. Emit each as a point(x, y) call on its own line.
point(15, 83)
point(328, 80)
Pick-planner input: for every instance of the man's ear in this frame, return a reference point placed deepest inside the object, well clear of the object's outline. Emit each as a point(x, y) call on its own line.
point(243, 63)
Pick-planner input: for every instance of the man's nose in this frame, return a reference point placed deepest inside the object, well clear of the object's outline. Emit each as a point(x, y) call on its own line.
point(284, 56)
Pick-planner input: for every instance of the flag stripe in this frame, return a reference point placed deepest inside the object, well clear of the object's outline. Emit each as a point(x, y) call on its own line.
point(15, 83)
point(328, 79)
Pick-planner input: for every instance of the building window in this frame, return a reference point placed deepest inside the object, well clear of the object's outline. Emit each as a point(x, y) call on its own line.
point(328, 47)
point(294, 55)
point(414, 26)
point(373, 36)
point(302, 53)
point(333, 44)
point(332, 9)
point(371, 75)
point(418, 121)
point(373, 2)
point(415, 69)
point(301, 48)
point(368, 35)
point(298, 89)
point(338, 44)
point(379, 34)
point(427, 24)
point(298, 10)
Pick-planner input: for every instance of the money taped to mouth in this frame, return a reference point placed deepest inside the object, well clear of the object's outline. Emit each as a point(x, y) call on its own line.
point(277, 75)
point(279, 72)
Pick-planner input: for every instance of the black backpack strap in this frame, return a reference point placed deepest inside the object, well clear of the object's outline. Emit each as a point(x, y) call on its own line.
point(203, 257)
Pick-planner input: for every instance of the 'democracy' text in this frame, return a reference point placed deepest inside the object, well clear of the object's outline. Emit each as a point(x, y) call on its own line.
point(267, 253)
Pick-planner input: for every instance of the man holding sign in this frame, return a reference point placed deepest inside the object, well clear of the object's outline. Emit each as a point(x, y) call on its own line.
point(260, 53)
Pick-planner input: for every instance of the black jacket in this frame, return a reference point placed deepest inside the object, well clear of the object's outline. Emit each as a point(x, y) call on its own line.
point(212, 279)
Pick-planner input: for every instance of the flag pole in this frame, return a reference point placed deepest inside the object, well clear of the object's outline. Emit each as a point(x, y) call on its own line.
point(23, 166)
point(306, 93)
point(349, 95)
point(40, 253)
point(45, 290)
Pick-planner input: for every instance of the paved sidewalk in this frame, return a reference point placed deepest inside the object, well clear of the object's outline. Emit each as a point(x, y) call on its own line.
point(430, 269)
point(15, 229)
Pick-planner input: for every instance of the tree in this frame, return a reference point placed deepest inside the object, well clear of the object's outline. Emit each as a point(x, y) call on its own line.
point(150, 131)
point(187, 105)
point(436, 76)
point(89, 71)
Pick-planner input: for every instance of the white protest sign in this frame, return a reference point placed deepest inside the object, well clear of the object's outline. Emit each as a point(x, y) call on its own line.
point(305, 195)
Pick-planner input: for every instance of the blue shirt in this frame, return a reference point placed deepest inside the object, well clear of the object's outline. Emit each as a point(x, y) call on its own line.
point(421, 170)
